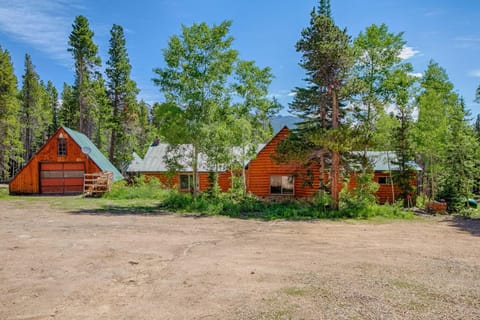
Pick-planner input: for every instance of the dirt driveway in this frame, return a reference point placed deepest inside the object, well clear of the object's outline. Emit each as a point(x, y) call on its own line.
point(63, 265)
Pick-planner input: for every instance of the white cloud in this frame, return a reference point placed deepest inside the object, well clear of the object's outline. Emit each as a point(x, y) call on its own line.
point(467, 42)
point(281, 94)
point(416, 74)
point(44, 25)
point(474, 73)
point(471, 38)
point(407, 53)
point(393, 108)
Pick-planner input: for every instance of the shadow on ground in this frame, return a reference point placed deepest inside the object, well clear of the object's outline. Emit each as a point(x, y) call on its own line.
point(122, 210)
point(465, 224)
point(134, 210)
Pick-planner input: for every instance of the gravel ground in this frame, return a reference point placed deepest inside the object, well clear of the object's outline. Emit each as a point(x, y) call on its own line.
point(56, 264)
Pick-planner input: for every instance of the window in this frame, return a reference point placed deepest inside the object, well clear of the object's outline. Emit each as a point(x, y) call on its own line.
point(186, 182)
point(281, 184)
point(384, 180)
point(62, 146)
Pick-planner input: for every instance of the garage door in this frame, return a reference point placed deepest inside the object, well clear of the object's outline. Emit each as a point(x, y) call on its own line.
point(61, 177)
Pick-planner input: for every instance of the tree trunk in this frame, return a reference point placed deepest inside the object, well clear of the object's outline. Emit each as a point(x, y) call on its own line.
point(113, 141)
point(391, 178)
point(322, 171)
point(244, 177)
point(335, 170)
point(80, 98)
point(323, 119)
point(195, 171)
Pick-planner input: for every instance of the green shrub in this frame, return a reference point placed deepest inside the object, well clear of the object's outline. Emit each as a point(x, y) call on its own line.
point(469, 212)
point(3, 192)
point(140, 188)
point(252, 207)
point(359, 201)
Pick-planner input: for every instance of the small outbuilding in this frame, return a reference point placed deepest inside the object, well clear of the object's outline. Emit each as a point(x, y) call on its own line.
point(60, 166)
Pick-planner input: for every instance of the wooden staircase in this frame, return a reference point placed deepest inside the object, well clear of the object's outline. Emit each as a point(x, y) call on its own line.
point(96, 184)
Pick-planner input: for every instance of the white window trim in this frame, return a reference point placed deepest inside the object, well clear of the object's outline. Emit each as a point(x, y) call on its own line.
point(388, 180)
point(281, 187)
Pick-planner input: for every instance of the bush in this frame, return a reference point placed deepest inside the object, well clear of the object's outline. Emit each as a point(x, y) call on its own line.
point(140, 188)
point(3, 192)
point(252, 207)
point(361, 200)
point(469, 212)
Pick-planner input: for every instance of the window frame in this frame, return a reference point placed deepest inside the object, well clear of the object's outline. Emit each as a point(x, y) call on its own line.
point(61, 147)
point(290, 179)
point(388, 180)
point(189, 181)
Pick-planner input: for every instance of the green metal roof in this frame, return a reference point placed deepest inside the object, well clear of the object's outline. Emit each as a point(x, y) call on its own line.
point(100, 160)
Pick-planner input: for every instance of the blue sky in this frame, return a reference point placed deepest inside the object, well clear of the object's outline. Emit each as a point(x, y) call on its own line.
point(264, 30)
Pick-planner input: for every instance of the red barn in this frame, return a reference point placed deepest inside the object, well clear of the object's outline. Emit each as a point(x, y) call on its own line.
point(59, 167)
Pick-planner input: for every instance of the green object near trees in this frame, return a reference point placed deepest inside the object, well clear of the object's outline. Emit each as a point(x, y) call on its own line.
point(10, 144)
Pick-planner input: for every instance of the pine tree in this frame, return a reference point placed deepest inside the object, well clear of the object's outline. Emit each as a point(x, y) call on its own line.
point(461, 161)
point(54, 107)
point(122, 91)
point(10, 143)
point(85, 54)
point(103, 115)
point(44, 119)
point(477, 126)
point(324, 8)
point(68, 113)
point(30, 113)
point(477, 94)
point(401, 85)
point(146, 132)
point(327, 59)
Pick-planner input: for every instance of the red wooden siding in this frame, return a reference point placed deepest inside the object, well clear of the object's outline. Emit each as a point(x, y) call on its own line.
point(27, 181)
point(384, 193)
point(263, 166)
point(204, 182)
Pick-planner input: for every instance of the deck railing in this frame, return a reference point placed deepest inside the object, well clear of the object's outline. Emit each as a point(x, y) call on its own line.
point(95, 184)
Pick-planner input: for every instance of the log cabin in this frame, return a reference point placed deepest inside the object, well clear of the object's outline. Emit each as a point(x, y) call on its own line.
point(59, 167)
point(271, 180)
point(155, 164)
point(265, 178)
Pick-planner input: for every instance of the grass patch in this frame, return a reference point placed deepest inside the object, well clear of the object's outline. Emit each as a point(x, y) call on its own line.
point(295, 292)
point(473, 213)
point(4, 193)
point(147, 196)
